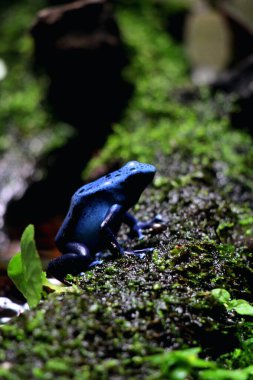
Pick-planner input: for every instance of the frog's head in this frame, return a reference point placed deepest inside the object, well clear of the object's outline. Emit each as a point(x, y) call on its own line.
point(135, 178)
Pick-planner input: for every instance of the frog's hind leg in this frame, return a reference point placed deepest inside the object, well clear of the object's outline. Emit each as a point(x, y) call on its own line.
point(75, 259)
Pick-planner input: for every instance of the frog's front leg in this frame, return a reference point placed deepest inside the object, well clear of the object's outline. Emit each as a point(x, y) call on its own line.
point(112, 223)
point(115, 214)
point(75, 259)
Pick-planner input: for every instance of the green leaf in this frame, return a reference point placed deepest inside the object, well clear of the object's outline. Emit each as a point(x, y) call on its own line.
point(25, 269)
point(223, 226)
point(221, 295)
point(183, 358)
point(59, 366)
point(224, 374)
point(227, 374)
point(58, 288)
point(15, 270)
point(242, 307)
point(246, 221)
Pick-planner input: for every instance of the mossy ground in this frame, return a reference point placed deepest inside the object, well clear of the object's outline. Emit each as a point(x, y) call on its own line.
point(131, 309)
point(137, 318)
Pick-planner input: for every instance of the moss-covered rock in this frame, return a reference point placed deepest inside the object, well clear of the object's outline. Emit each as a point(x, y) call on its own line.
point(130, 309)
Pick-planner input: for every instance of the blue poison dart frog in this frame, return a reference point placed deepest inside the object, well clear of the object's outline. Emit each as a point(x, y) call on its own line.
point(96, 213)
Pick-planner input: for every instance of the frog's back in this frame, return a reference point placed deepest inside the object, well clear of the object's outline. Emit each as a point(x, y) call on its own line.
point(113, 181)
point(108, 183)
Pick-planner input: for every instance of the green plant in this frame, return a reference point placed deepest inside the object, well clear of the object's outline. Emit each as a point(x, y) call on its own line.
point(178, 364)
point(25, 270)
point(241, 306)
point(186, 364)
point(227, 374)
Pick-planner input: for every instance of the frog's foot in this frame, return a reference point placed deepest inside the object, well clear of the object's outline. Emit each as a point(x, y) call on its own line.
point(69, 263)
point(140, 253)
point(100, 258)
point(157, 224)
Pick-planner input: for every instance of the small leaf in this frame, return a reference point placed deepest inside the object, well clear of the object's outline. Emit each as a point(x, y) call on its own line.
point(223, 226)
point(59, 366)
point(25, 269)
point(242, 307)
point(187, 357)
point(58, 288)
point(224, 374)
point(15, 271)
point(246, 221)
point(221, 295)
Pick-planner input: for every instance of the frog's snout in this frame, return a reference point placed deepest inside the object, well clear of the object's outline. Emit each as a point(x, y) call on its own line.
point(140, 167)
point(149, 171)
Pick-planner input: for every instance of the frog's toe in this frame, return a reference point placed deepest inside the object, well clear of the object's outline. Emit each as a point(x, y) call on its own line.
point(94, 263)
point(158, 219)
point(154, 226)
point(149, 224)
point(140, 253)
point(100, 258)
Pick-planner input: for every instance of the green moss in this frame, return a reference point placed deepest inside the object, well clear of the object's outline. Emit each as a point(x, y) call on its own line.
point(23, 114)
point(157, 121)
